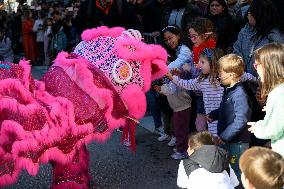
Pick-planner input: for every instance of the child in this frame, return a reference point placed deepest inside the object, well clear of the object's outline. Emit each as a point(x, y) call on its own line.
point(202, 36)
point(6, 52)
point(269, 63)
point(262, 169)
point(234, 111)
point(180, 102)
point(207, 166)
point(206, 83)
point(174, 40)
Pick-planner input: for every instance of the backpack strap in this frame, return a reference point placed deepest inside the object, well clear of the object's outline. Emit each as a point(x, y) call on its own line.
point(190, 166)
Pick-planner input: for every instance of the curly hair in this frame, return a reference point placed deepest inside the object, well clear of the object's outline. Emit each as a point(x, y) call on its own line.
point(212, 55)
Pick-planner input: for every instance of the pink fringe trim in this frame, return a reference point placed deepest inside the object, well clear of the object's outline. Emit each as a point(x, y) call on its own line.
point(90, 34)
point(135, 101)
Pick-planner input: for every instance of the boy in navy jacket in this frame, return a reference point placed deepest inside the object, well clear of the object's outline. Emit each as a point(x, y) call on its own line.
point(234, 111)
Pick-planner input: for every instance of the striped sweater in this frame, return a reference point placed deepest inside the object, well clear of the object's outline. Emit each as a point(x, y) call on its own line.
point(212, 95)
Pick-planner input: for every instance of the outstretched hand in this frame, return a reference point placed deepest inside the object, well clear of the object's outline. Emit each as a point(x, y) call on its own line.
point(252, 128)
point(176, 71)
point(169, 76)
point(157, 88)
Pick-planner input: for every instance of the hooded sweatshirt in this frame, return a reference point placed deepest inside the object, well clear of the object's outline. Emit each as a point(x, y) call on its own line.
point(210, 172)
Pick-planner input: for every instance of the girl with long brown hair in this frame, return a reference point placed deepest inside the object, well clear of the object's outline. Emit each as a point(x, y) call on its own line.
point(269, 63)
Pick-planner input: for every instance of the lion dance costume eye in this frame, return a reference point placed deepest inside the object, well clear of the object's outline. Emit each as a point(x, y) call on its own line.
point(82, 98)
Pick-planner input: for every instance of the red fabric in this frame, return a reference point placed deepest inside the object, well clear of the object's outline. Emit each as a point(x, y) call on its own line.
point(211, 43)
point(74, 175)
point(29, 40)
point(104, 9)
point(128, 134)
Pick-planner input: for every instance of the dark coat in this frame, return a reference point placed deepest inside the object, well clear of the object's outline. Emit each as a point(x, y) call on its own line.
point(233, 115)
point(190, 13)
point(224, 29)
point(120, 13)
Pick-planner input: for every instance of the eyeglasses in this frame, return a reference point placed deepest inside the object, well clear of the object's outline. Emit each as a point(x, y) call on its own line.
point(194, 36)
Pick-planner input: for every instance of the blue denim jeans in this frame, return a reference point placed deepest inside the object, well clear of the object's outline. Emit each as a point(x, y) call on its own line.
point(235, 151)
point(151, 97)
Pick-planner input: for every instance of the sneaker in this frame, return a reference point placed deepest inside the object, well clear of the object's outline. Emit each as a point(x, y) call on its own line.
point(172, 142)
point(179, 156)
point(161, 129)
point(164, 137)
point(158, 132)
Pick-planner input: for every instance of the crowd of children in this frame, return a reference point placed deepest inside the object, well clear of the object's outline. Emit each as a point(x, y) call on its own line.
point(212, 87)
point(228, 112)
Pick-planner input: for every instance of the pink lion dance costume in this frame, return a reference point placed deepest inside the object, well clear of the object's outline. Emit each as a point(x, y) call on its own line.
point(83, 97)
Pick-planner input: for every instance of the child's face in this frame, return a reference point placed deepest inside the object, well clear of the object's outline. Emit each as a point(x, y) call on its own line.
point(171, 39)
point(195, 37)
point(204, 65)
point(225, 78)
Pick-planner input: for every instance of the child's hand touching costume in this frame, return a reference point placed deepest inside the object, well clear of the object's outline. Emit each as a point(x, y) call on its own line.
point(157, 88)
point(176, 71)
point(252, 128)
point(169, 76)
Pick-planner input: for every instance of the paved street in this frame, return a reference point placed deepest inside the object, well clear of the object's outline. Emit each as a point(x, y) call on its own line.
point(113, 166)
